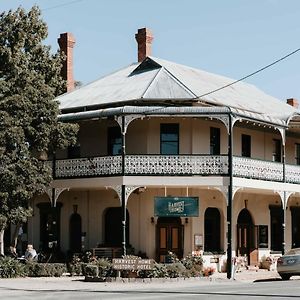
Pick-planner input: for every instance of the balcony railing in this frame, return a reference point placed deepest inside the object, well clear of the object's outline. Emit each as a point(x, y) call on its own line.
point(257, 169)
point(175, 165)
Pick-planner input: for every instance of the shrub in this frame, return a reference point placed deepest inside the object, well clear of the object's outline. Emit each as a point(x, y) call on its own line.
point(45, 269)
point(176, 270)
point(158, 271)
point(193, 262)
point(91, 270)
point(102, 267)
point(11, 268)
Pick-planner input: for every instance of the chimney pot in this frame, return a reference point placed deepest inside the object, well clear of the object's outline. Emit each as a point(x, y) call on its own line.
point(66, 43)
point(293, 102)
point(144, 38)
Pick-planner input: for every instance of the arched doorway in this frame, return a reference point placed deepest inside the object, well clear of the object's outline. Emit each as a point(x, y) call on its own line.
point(75, 233)
point(169, 237)
point(212, 230)
point(114, 228)
point(246, 237)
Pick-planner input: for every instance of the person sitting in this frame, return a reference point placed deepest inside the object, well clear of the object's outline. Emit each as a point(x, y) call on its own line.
point(30, 253)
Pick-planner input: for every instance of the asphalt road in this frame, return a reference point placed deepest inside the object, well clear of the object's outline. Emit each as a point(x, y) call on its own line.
point(71, 288)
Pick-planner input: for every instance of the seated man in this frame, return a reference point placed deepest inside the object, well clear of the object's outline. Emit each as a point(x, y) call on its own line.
point(30, 253)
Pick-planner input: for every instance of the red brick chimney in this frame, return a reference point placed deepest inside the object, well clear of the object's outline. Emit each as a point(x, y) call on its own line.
point(144, 39)
point(293, 102)
point(66, 43)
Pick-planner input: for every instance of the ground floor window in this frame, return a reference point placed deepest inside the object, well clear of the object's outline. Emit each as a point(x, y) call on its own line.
point(75, 233)
point(212, 230)
point(295, 227)
point(49, 226)
point(114, 228)
point(276, 214)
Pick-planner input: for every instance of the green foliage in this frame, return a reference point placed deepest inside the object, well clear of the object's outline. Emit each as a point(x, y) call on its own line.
point(29, 81)
point(176, 270)
point(193, 262)
point(11, 268)
point(104, 267)
point(91, 270)
point(189, 266)
point(45, 270)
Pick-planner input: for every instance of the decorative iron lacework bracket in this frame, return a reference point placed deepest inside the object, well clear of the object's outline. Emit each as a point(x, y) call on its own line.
point(224, 191)
point(225, 121)
point(127, 120)
point(284, 196)
point(128, 191)
point(282, 132)
point(54, 196)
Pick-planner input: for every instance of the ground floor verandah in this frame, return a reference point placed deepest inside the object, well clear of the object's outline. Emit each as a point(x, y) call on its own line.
point(264, 222)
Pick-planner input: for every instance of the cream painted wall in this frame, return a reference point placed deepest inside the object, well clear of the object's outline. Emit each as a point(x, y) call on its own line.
point(143, 137)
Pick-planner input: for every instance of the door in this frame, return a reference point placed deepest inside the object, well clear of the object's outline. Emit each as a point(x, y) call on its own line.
point(169, 237)
point(246, 245)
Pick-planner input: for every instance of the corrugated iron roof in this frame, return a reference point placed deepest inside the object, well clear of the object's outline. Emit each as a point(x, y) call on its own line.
point(159, 79)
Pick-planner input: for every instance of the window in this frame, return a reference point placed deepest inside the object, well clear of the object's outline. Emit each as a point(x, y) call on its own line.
point(295, 211)
point(169, 139)
point(276, 227)
point(114, 141)
point(246, 145)
point(297, 152)
point(74, 151)
point(212, 230)
point(214, 141)
point(276, 150)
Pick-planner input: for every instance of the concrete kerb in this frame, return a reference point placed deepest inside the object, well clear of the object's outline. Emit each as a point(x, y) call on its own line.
point(79, 283)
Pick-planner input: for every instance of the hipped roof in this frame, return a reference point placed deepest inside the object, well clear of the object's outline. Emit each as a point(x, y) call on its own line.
point(157, 79)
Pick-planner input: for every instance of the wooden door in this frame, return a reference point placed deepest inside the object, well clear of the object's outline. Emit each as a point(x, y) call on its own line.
point(169, 238)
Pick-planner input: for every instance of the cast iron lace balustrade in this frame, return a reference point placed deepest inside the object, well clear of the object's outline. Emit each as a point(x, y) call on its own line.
point(257, 169)
point(89, 167)
point(176, 165)
point(292, 173)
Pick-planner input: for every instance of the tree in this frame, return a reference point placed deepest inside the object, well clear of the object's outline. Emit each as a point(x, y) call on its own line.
point(29, 82)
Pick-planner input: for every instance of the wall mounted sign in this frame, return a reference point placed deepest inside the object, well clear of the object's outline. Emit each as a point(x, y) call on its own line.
point(176, 206)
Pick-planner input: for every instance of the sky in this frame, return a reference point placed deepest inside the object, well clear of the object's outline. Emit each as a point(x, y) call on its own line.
point(232, 38)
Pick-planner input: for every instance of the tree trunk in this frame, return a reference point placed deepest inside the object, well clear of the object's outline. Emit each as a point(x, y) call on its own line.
point(14, 241)
point(2, 242)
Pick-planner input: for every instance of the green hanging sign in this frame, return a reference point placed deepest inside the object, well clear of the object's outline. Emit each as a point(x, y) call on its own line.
point(176, 206)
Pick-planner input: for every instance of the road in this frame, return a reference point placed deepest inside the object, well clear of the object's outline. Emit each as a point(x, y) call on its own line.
point(61, 289)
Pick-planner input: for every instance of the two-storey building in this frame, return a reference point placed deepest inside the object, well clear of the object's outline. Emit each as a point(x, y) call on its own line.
point(172, 158)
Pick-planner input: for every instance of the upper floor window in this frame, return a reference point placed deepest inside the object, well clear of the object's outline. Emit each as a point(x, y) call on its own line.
point(114, 141)
point(215, 141)
point(276, 150)
point(246, 145)
point(169, 138)
point(297, 152)
point(74, 151)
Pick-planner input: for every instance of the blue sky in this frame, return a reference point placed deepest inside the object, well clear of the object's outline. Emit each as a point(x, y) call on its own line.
point(228, 37)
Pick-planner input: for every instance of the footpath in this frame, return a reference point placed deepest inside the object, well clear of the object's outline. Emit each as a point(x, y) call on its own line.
point(66, 283)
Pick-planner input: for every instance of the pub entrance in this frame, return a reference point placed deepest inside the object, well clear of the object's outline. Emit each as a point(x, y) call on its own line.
point(169, 237)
